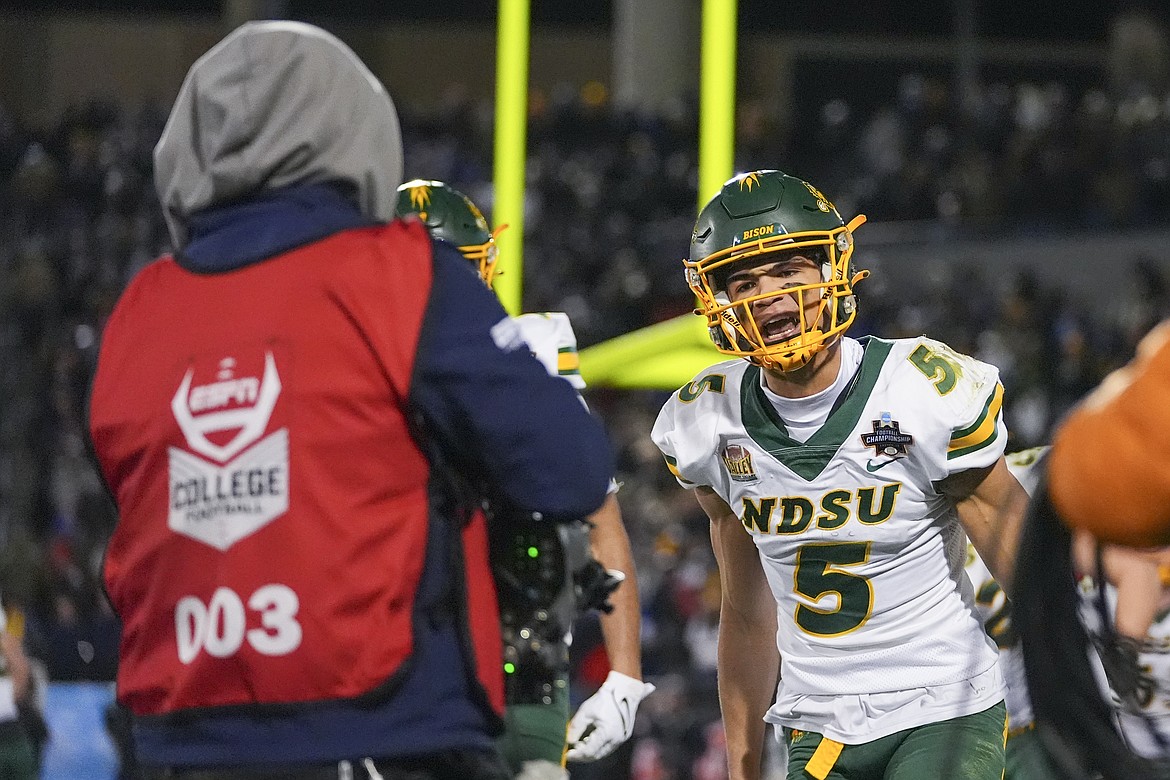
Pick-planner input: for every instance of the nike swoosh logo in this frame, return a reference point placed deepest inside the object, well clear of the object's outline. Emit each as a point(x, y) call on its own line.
point(623, 709)
point(871, 468)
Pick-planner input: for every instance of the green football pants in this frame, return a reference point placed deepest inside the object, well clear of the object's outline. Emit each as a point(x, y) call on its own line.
point(536, 731)
point(17, 761)
point(1027, 759)
point(966, 748)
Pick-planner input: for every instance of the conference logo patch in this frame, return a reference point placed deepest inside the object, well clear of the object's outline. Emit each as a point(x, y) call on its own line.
point(738, 460)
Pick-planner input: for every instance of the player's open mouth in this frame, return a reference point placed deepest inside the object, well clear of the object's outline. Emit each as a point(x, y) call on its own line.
point(780, 329)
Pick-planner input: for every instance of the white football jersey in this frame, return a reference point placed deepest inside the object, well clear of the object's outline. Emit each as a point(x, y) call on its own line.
point(994, 611)
point(550, 337)
point(863, 554)
point(1148, 732)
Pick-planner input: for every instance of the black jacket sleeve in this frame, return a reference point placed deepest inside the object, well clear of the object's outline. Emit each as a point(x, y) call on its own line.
point(494, 411)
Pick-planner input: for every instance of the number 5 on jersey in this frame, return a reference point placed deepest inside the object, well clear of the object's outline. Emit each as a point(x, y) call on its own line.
point(819, 573)
point(939, 369)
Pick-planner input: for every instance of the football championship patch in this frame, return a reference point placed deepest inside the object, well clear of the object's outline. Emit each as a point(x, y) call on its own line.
point(738, 461)
point(887, 437)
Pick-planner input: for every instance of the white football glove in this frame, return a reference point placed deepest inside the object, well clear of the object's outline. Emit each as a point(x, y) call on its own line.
point(606, 719)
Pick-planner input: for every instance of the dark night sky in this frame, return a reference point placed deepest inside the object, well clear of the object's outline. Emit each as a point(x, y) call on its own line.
point(1080, 20)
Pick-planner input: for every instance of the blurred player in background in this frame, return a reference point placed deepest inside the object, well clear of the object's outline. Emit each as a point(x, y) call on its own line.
point(1124, 607)
point(539, 735)
point(1108, 477)
point(1133, 575)
point(296, 413)
point(17, 759)
point(1145, 718)
point(1137, 611)
point(839, 476)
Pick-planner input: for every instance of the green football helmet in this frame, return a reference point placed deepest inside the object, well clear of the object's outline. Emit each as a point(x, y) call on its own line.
point(752, 217)
point(450, 215)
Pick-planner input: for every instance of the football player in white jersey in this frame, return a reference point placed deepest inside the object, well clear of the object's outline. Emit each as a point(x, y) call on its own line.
point(1145, 722)
point(1134, 593)
point(539, 736)
point(839, 476)
point(1136, 651)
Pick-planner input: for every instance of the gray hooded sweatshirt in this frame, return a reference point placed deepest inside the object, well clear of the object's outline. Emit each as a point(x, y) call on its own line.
point(276, 104)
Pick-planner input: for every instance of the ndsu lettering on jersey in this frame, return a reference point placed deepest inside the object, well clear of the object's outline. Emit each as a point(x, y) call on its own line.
point(837, 507)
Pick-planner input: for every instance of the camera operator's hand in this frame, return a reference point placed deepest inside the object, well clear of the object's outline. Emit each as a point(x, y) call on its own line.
point(606, 719)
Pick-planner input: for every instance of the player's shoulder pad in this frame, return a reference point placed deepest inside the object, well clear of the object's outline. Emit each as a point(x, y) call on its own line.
point(1025, 466)
point(712, 386)
point(551, 339)
point(952, 393)
point(960, 386)
point(554, 324)
point(688, 425)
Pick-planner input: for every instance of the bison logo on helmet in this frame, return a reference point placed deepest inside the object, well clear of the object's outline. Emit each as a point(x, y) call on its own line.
point(749, 181)
point(823, 203)
point(420, 198)
point(480, 219)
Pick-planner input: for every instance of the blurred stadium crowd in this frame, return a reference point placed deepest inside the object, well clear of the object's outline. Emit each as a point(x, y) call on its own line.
point(611, 202)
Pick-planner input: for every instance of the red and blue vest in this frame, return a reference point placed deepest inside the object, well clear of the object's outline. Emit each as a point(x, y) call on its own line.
point(274, 500)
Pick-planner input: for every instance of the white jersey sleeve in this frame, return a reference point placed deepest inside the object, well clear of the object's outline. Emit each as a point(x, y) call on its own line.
point(1025, 467)
point(967, 400)
point(550, 337)
point(686, 431)
point(1148, 730)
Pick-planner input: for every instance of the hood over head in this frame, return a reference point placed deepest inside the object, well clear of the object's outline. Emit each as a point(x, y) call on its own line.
point(276, 104)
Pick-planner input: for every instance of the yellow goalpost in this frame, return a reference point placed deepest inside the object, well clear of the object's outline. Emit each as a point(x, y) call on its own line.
point(668, 354)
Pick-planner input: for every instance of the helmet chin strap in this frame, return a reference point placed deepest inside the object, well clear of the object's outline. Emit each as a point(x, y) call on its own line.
point(797, 358)
point(811, 342)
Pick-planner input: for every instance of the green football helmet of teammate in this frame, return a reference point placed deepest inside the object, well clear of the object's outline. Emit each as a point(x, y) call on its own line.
point(450, 215)
point(754, 217)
